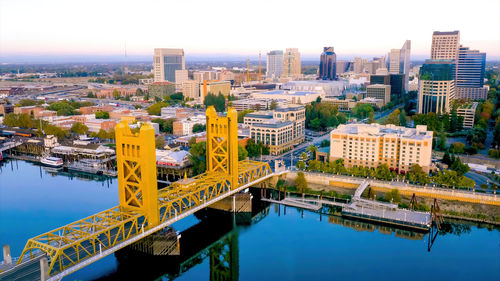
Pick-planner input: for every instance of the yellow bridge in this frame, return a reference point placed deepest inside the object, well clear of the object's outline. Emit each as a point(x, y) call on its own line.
point(143, 208)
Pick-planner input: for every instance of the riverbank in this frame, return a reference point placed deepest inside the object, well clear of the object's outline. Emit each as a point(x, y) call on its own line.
point(341, 187)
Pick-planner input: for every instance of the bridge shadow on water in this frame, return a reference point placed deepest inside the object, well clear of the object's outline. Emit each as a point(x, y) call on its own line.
point(214, 237)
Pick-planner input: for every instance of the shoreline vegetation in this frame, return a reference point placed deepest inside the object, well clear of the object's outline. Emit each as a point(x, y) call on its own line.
point(449, 209)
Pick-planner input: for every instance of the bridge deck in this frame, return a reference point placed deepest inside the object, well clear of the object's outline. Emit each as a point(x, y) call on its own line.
point(80, 243)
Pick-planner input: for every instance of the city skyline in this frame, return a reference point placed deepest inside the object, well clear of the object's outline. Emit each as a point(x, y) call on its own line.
point(52, 29)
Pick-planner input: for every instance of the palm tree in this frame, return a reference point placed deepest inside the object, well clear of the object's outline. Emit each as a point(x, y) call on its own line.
point(313, 149)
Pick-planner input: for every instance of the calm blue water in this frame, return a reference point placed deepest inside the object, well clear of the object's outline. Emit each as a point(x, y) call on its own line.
point(295, 246)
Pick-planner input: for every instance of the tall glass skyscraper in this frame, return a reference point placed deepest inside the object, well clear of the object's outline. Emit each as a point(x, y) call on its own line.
point(470, 68)
point(327, 64)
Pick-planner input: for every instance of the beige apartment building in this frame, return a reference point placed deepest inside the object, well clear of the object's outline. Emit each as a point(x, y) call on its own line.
point(280, 129)
point(435, 96)
point(292, 66)
point(445, 45)
point(379, 91)
point(191, 89)
point(372, 145)
point(214, 87)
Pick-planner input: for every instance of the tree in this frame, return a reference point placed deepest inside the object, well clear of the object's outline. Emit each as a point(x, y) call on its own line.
point(383, 172)
point(393, 118)
point(116, 94)
point(177, 97)
point(441, 142)
point(139, 92)
point(242, 153)
point(166, 125)
point(301, 182)
point(300, 165)
point(446, 158)
point(199, 128)
point(416, 174)
point(218, 102)
point(102, 115)
point(371, 118)
point(303, 156)
point(457, 148)
point(160, 141)
point(402, 118)
point(26, 102)
point(458, 167)
point(313, 149)
point(325, 143)
point(242, 114)
point(393, 196)
point(79, 128)
point(273, 106)
point(155, 109)
point(198, 155)
point(362, 111)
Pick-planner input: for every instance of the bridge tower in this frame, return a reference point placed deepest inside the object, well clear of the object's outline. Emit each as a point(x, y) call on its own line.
point(222, 144)
point(136, 163)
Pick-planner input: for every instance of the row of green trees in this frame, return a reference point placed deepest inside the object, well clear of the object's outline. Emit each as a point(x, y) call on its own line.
point(415, 174)
point(320, 115)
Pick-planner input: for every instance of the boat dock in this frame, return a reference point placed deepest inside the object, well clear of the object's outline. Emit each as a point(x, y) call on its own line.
point(364, 209)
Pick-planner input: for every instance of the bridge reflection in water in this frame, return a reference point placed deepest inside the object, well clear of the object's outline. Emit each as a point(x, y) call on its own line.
point(214, 238)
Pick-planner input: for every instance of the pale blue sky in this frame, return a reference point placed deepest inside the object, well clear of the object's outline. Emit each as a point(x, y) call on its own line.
point(102, 27)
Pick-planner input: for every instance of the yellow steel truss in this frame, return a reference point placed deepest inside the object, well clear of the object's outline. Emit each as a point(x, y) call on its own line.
point(71, 244)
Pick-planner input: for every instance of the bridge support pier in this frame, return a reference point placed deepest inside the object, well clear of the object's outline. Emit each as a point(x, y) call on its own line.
point(7, 258)
point(44, 269)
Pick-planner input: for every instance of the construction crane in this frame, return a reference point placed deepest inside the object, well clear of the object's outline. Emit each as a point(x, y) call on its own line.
point(259, 68)
point(248, 71)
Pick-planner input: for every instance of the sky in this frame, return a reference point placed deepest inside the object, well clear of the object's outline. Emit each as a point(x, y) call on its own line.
point(233, 28)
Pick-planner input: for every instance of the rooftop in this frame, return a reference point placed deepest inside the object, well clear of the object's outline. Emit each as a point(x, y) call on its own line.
point(274, 124)
point(289, 93)
point(375, 129)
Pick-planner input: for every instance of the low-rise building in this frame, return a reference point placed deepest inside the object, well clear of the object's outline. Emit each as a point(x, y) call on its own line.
point(30, 110)
point(95, 125)
point(290, 96)
point(280, 129)
point(214, 87)
point(379, 91)
point(256, 104)
point(468, 112)
point(372, 145)
point(114, 92)
point(161, 89)
point(185, 126)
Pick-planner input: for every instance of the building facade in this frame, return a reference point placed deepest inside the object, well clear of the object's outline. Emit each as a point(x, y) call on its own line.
point(274, 66)
point(445, 45)
point(292, 66)
point(161, 89)
point(379, 91)
point(166, 62)
point(468, 112)
point(327, 64)
point(214, 87)
point(437, 86)
point(399, 62)
point(280, 130)
point(371, 145)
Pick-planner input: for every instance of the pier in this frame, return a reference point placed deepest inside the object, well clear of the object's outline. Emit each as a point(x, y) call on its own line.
point(364, 209)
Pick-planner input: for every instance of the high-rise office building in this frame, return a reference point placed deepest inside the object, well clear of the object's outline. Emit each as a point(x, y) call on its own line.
point(166, 62)
point(437, 86)
point(445, 45)
point(327, 64)
point(292, 66)
point(470, 68)
point(274, 66)
point(399, 62)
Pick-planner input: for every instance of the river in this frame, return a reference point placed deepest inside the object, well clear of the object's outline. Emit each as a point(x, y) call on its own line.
point(277, 244)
